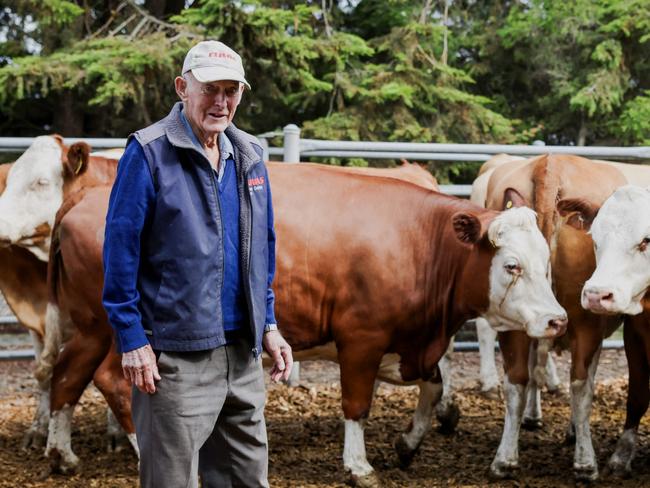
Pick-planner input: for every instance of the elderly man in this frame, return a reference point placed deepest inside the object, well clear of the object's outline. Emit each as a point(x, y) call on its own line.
point(189, 258)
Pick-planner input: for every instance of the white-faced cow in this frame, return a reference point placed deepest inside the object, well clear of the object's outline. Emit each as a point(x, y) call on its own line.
point(619, 285)
point(32, 190)
point(379, 274)
point(540, 183)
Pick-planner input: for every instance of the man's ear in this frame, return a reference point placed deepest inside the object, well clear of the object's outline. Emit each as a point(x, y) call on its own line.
point(76, 160)
point(512, 198)
point(469, 227)
point(577, 213)
point(180, 85)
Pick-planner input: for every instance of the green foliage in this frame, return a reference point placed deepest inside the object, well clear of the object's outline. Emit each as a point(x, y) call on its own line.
point(395, 70)
point(634, 123)
point(59, 13)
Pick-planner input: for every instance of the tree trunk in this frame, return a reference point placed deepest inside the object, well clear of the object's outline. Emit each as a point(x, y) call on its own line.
point(582, 133)
point(162, 9)
point(68, 116)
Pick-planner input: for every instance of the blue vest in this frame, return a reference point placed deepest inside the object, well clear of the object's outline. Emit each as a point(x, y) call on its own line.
point(182, 262)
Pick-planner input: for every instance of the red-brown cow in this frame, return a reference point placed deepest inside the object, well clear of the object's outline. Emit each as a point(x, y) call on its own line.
point(378, 273)
point(65, 399)
point(539, 183)
point(32, 189)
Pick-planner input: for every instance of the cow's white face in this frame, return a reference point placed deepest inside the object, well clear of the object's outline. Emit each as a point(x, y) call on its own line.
point(32, 197)
point(520, 290)
point(621, 235)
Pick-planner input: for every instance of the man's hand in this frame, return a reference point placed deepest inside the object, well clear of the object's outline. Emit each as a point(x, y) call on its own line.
point(140, 368)
point(280, 352)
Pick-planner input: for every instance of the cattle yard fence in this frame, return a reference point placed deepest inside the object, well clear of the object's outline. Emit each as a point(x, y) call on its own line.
point(294, 149)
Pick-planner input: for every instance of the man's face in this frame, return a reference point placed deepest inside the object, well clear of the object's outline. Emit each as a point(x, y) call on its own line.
point(209, 107)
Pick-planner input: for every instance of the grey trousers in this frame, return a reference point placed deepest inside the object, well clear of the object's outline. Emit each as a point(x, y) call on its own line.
point(206, 416)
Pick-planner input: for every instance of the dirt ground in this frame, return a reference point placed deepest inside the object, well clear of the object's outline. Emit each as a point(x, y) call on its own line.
point(306, 433)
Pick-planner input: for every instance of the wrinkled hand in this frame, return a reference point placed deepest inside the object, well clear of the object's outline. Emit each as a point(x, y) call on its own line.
point(276, 347)
point(140, 368)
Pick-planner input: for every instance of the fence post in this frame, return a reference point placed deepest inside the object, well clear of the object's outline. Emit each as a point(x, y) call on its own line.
point(291, 143)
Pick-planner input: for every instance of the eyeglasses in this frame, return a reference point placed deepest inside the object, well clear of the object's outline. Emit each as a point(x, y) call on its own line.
point(212, 91)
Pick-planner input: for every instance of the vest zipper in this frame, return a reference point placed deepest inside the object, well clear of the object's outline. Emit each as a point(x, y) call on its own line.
point(249, 298)
point(223, 264)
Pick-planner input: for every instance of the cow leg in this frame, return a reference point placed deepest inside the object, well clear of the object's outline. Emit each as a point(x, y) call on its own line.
point(116, 390)
point(447, 412)
point(359, 367)
point(638, 398)
point(408, 443)
point(515, 347)
point(552, 378)
point(585, 351)
point(73, 371)
point(36, 435)
point(489, 377)
point(533, 411)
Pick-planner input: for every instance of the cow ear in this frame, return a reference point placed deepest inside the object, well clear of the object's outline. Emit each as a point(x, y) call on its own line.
point(76, 161)
point(468, 227)
point(577, 213)
point(512, 198)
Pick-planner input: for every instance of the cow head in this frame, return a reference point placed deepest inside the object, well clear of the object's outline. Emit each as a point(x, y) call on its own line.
point(520, 295)
point(621, 234)
point(34, 192)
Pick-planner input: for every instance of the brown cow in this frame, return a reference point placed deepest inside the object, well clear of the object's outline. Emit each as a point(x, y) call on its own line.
point(539, 183)
point(32, 189)
point(59, 447)
point(374, 273)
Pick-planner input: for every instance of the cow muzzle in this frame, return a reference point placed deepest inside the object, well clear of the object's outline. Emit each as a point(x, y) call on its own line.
point(549, 327)
point(599, 300)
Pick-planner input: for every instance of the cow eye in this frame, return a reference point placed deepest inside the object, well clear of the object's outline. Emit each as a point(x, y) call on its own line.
point(644, 244)
point(513, 268)
point(43, 181)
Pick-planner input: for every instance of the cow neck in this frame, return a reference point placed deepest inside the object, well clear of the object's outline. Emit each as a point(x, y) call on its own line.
point(99, 171)
point(457, 280)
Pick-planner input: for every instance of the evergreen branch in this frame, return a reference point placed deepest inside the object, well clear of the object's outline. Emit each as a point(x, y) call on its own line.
point(122, 25)
point(114, 13)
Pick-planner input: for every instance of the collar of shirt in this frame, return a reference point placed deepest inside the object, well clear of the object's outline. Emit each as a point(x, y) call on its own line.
point(226, 150)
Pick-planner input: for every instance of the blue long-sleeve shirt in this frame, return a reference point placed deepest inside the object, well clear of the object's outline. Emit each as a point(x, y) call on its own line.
point(131, 204)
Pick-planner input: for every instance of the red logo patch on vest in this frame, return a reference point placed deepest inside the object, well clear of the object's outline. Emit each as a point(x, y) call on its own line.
point(256, 184)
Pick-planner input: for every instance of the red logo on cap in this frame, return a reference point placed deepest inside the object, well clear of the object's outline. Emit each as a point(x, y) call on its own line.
point(221, 54)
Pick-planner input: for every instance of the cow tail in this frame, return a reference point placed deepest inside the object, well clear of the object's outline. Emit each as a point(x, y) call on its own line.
point(55, 331)
point(546, 193)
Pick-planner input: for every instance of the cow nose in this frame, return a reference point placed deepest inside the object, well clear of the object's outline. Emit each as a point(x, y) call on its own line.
point(557, 327)
point(597, 299)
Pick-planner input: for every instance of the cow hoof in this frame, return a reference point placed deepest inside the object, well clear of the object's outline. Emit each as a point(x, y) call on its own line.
point(117, 444)
point(449, 420)
point(404, 452)
point(617, 469)
point(500, 470)
point(492, 393)
point(529, 423)
point(33, 439)
point(585, 473)
point(62, 463)
point(370, 480)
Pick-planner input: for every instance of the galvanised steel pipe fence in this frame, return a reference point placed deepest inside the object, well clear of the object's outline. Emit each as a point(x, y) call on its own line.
point(294, 149)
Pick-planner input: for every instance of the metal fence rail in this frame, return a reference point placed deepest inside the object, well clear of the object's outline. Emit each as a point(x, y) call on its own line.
point(294, 148)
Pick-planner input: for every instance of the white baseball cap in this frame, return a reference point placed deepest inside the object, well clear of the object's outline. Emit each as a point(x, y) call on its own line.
point(214, 61)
